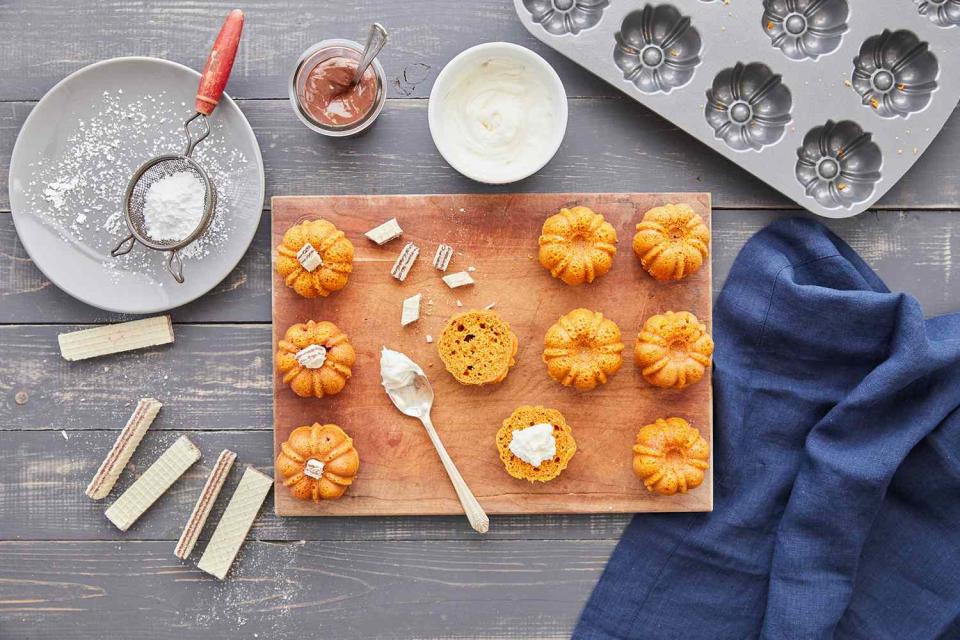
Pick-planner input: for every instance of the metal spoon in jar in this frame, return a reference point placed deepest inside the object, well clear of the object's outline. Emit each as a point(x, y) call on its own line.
point(375, 42)
point(411, 393)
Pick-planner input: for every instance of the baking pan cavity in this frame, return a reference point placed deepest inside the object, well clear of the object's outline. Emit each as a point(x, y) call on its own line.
point(805, 29)
point(566, 16)
point(657, 48)
point(943, 13)
point(838, 164)
point(748, 106)
point(895, 73)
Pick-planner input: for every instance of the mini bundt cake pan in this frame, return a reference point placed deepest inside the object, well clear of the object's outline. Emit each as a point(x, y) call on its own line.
point(828, 101)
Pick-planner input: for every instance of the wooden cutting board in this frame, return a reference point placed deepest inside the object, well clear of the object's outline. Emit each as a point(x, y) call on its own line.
point(400, 473)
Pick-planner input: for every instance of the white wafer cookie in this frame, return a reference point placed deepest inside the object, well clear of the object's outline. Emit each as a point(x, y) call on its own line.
point(458, 279)
point(441, 260)
point(154, 482)
point(235, 523)
point(410, 312)
point(386, 232)
point(123, 448)
point(201, 510)
point(408, 255)
point(115, 338)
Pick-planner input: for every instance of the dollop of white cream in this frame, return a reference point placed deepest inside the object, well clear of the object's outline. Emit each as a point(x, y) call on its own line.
point(499, 118)
point(397, 370)
point(534, 444)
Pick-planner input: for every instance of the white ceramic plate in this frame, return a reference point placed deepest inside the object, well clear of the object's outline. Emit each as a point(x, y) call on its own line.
point(71, 163)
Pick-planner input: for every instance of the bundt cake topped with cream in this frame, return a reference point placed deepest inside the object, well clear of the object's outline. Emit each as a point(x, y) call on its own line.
point(672, 241)
point(318, 462)
point(582, 349)
point(315, 358)
point(535, 443)
point(673, 349)
point(314, 258)
point(670, 456)
point(577, 245)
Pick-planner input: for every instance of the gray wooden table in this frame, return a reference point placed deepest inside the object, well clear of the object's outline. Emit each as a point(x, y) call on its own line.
point(66, 573)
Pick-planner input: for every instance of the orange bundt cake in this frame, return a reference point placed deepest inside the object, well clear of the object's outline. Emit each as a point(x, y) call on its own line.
point(673, 349)
point(535, 443)
point(318, 462)
point(577, 245)
point(314, 258)
point(315, 358)
point(672, 241)
point(582, 349)
point(478, 347)
point(670, 456)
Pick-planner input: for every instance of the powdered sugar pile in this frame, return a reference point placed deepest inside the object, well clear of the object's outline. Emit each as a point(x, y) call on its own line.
point(79, 193)
point(173, 206)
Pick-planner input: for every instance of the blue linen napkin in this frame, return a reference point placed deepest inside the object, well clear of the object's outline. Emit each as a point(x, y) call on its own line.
point(837, 467)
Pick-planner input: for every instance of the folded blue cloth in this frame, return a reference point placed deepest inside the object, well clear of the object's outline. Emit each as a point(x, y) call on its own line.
point(836, 467)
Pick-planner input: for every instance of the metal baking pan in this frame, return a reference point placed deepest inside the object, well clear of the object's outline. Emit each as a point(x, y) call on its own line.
point(828, 101)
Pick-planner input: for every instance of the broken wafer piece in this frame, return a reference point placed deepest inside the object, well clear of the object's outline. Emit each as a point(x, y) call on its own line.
point(442, 258)
point(115, 338)
point(123, 448)
point(235, 523)
point(405, 261)
point(201, 510)
point(154, 482)
point(308, 257)
point(411, 310)
point(458, 279)
point(386, 232)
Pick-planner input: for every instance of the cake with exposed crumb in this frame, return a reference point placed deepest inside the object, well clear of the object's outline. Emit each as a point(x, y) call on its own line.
point(535, 443)
point(478, 347)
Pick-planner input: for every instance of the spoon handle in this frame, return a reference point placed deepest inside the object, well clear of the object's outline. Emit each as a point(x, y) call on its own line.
point(375, 42)
point(475, 513)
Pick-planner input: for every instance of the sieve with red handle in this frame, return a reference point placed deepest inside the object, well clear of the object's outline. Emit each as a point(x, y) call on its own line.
point(212, 81)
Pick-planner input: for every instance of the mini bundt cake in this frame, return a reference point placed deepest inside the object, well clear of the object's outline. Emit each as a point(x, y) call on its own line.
point(670, 456)
point(478, 347)
point(672, 242)
point(540, 435)
point(318, 462)
point(673, 349)
point(582, 349)
point(319, 271)
point(577, 245)
point(315, 359)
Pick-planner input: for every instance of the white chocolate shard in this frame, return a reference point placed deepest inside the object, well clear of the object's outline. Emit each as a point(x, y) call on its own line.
point(235, 523)
point(405, 261)
point(386, 232)
point(308, 257)
point(471, 269)
point(458, 279)
point(429, 339)
point(442, 258)
point(201, 510)
point(313, 469)
point(116, 338)
point(459, 304)
point(411, 310)
point(126, 443)
point(154, 482)
point(312, 356)
point(490, 306)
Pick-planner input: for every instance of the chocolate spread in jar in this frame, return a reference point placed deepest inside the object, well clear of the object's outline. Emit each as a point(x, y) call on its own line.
point(328, 97)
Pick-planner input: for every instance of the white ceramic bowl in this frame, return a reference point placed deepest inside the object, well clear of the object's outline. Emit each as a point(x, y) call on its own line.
point(467, 60)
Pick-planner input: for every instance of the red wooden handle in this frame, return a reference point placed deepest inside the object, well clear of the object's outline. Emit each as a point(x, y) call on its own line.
point(219, 63)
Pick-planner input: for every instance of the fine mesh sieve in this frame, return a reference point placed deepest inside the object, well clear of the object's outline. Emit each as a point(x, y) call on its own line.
point(212, 81)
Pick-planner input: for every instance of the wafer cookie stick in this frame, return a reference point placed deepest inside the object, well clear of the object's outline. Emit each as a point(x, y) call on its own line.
point(126, 443)
point(171, 464)
point(114, 338)
point(201, 510)
point(235, 523)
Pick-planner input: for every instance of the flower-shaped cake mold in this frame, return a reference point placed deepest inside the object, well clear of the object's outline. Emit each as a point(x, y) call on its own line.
point(657, 48)
point(566, 16)
point(895, 73)
point(805, 29)
point(838, 164)
point(748, 106)
point(943, 13)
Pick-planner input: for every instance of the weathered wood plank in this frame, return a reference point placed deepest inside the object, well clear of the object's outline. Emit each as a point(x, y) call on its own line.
point(611, 145)
point(485, 589)
point(276, 32)
point(911, 250)
point(41, 496)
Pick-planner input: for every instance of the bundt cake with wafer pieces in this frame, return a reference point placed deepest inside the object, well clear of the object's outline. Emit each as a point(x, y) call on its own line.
point(314, 258)
point(582, 349)
point(478, 347)
point(672, 242)
point(318, 462)
point(551, 435)
point(673, 350)
point(577, 245)
point(315, 359)
point(670, 456)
